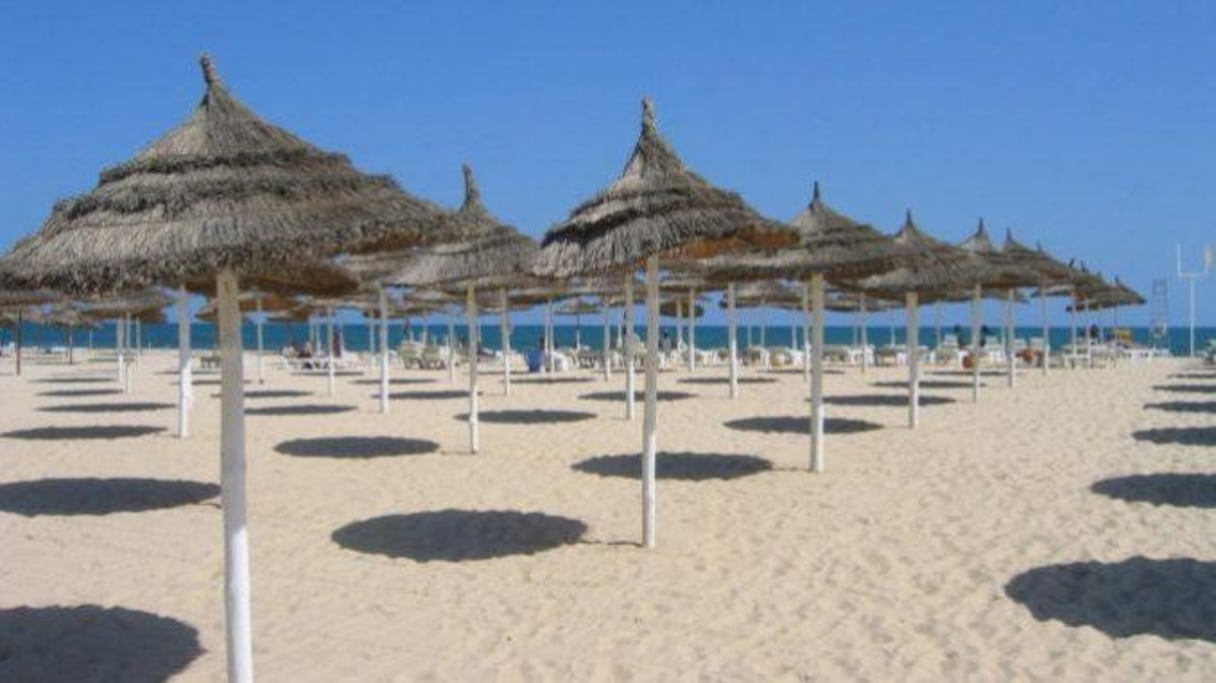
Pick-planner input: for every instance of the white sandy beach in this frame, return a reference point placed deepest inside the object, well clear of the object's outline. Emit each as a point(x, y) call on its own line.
point(918, 555)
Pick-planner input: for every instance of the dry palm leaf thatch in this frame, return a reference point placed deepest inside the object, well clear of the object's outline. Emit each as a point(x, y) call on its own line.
point(477, 249)
point(1080, 284)
point(828, 242)
point(225, 190)
point(1051, 271)
point(21, 299)
point(927, 266)
point(577, 306)
point(676, 307)
point(142, 305)
point(64, 315)
point(251, 302)
point(1005, 271)
point(850, 302)
point(657, 207)
point(1113, 295)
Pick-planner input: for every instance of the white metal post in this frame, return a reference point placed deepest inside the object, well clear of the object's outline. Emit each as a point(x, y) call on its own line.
point(865, 334)
point(451, 347)
point(692, 329)
point(630, 380)
point(474, 333)
point(818, 457)
point(329, 345)
point(733, 339)
point(650, 421)
point(232, 483)
point(806, 342)
point(505, 322)
point(976, 303)
point(913, 304)
point(383, 348)
point(183, 365)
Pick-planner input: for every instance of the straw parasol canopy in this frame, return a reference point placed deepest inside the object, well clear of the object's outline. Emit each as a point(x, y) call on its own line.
point(225, 190)
point(1005, 270)
point(20, 299)
point(1050, 270)
point(927, 266)
point(1113, 295)
point(657, 206)
point(141, 305)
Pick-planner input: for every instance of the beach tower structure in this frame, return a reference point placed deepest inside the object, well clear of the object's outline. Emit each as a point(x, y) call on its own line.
point(1209, 256)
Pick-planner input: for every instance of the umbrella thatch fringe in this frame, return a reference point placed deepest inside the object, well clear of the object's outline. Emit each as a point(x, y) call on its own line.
point(225, 190)
point(928, 266)
point(657, 206)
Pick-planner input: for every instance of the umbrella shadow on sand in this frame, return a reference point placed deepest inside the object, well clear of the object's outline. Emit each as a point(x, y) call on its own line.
point(93, 643)
point(1185, 436)
point(726, 380)
point(619, 396)
point(396, 380)
point(679, 466)
point(1187, 388)
point(441, 395)
point(311, 409)
point(79, 393)
point(89, 432)
point(553, 380)
point(928, 384)
point(273, 393)
point(356, 447)
point(794, 424)
point(100, 496)
point(1183, 406)
point(1177, 489)
point(529, 417)
point(1172, 599)
point(133, 407)
point(883, 400)
point(77, 380)
point(459, 535)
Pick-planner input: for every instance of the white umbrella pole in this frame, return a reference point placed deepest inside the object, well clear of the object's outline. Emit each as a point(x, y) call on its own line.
point(1009, 358)
point(261, 348)
point(474, 333)
point(865, 342)
point(139, 339)
point(1046, 331)
point(733, 339)
point(650, 422)
point(505, 322)
point(692, 329)
point(183, 365)
point(451, 348)
point(1073, 318)
point(329, 345)
point(550, 343)
point(232, 483)
point(913, 360)
point(806, 342)
point(119, 325)
point(1089, 340)
point(607, 342)
point(818, 457)
point(126, 345)
point(937, 324)
point(975, 343)
point(630, 380)
point(383, 349)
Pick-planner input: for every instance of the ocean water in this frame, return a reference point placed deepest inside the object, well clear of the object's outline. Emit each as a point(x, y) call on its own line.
point(523, 337)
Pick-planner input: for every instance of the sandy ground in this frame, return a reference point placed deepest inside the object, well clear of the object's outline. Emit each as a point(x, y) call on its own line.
point(1060, 530)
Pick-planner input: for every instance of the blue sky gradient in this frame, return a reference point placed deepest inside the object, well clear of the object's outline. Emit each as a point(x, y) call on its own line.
point(1090, 126)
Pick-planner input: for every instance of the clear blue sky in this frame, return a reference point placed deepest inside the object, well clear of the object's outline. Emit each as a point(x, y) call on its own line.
point(1090, 126)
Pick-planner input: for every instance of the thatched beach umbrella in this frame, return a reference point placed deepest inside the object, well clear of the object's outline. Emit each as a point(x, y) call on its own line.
point(657, 207)
point(831, 245)
point(479, 252)
point(225, 197)
point(68, 318)
point(927, 267)
point(1051, 273)
point(123, 308)
point(15, 301)
point(1014, 274)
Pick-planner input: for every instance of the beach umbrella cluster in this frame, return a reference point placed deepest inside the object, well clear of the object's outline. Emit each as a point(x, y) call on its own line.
point(249, 214)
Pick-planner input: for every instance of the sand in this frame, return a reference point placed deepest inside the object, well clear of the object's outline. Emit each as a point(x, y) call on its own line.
point(1047, 532)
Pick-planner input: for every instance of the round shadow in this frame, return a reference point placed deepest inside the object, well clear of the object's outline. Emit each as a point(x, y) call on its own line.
point(77, 380)
point(1182, 490)
point(927, 384)
point(528, 417)
point(442, 395)
point(1172, 599)
point(134, 407)
point(1183, 406)
point(793, 424)
point(551, 380)
point(1187, 388)
point(459, 535)
point(272, 393)
point(100, 496)
point(883, 400)
point(680, 466)
point(93, 643)
point(80, 393)
point(1184, 436)
point(619, 396)
point(396, 380)
point(90, 432)
point(298, 410)
point(726, 380)
point(356, 447)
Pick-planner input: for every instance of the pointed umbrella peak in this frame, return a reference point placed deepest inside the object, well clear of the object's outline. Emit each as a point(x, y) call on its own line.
point(816, 198)
point(981, 229)
point(210, 76)
point(650, 122)
point(472, 193)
